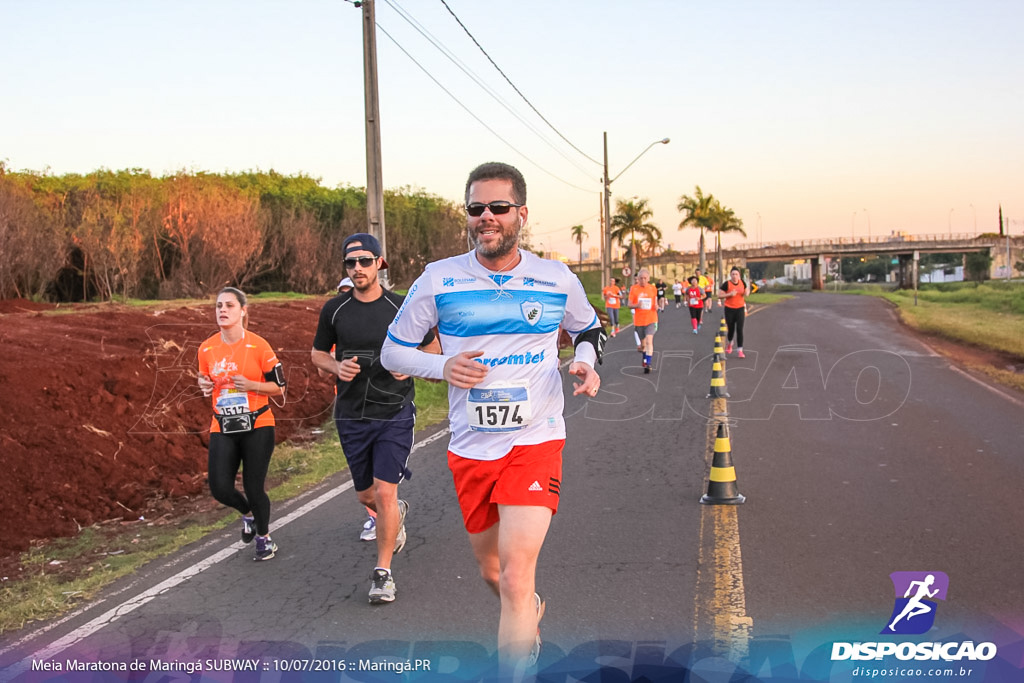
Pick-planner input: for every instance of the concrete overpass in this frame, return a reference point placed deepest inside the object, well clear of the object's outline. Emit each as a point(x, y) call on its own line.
point(1005, 252)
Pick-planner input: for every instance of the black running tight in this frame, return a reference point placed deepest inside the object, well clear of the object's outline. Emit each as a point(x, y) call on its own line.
point(734, 318)
point(227, 453)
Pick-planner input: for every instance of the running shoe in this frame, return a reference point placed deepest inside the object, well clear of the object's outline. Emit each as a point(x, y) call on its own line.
point(265, 548)
point(728, 349)
point(739, 354)
point(613, 333)
point(400, 539)
point(382, 587)
point(248, 529)
point(369, 532)
point(695, 330)
point(403, 510)
point(647, 369)
point(534, 655)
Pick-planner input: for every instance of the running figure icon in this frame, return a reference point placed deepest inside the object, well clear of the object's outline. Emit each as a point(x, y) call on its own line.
point(915, 606)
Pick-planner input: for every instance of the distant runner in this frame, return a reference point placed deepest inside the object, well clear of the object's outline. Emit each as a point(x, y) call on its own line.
point(735, 309)
point(706, 285)
point(642, 300)
point(612, 295)
point(695, 303)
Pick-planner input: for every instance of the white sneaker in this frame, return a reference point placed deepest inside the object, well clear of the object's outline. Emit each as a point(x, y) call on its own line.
point(534, 655)
point(369, 532)
point(403, 510)
point(382, 587)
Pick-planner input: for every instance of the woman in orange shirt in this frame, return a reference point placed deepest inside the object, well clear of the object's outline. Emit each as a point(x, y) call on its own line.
point(239, 370)
point(735, 308)
point(612, 296)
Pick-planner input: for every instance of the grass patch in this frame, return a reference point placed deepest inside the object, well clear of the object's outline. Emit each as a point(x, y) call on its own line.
point(766, 298)
point(56, 575)
point(988, 315)
point(61, 573)
point(625, 314)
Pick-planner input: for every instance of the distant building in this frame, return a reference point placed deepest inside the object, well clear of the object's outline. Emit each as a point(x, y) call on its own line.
point(946, 274)
point(800, 270)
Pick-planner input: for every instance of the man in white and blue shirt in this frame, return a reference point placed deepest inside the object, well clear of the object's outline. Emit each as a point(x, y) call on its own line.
point(498, 310)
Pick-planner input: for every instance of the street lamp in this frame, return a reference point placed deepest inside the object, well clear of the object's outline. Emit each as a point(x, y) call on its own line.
point(869, 224)
point(606, 256)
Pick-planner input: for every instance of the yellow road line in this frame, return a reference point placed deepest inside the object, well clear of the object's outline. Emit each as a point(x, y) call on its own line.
point(720, 613)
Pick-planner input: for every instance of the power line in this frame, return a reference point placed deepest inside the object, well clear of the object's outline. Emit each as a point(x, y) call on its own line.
point(478, 80)
point(566, 227)
point(477, 118)
point(550, 125)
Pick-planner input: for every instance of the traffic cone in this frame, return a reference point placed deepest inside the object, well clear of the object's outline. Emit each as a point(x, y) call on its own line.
point(717, 381)
point(722, 480)
point(718, 355)
point(723, 328)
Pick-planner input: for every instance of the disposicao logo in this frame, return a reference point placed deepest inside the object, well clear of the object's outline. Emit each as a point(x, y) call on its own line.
point(913, 613)
point(914, 610)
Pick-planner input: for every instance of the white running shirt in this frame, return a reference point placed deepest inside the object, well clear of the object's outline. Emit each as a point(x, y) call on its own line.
point(514, 318)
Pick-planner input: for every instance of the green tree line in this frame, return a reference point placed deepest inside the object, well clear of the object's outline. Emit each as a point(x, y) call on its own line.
point(126, 233)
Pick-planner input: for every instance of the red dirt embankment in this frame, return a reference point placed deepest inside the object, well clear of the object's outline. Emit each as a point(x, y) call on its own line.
point(100, 414)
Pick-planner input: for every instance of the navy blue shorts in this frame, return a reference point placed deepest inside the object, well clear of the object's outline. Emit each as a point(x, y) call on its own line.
point(378, 449)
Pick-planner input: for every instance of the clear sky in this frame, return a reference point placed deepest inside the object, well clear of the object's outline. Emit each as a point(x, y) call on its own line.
point(809, 119)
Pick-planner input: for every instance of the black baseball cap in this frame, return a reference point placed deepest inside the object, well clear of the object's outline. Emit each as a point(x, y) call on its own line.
point(367, 242)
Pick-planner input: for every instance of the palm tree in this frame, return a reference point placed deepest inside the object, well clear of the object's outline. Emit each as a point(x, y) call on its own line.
point(723, 219)
point(631, 217)
point(697, 212)
point(651, 242)
point(578, 233)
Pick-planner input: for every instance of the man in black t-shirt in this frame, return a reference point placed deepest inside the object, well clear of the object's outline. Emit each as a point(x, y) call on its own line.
point(374, 411)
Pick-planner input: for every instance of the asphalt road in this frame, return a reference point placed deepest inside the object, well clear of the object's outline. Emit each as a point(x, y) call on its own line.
point(859, 450)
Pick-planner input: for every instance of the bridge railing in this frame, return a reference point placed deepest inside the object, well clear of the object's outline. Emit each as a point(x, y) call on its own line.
point(855, 241)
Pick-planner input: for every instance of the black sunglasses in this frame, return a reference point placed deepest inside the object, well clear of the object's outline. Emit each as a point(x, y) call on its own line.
point(497, 208)
point(364, 261)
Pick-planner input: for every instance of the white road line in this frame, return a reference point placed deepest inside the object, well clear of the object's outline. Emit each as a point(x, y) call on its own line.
point(1001, 394)
point(132, 604)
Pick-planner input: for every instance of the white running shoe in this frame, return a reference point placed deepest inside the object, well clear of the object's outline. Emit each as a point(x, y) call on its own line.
point(403, 510)
point(369, 532)
point(534, 655)
point(382, 587)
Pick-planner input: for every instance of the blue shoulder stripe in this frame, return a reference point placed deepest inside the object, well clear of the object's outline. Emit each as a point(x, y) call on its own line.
point(402, 342)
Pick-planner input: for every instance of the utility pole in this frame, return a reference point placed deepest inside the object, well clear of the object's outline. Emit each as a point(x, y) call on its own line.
point(374, 182)
point(606, 255)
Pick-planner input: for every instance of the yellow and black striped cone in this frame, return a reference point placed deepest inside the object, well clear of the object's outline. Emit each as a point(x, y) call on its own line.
point(723, 328)
point(718, 345)
point(722, 480)
point(717, 381)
